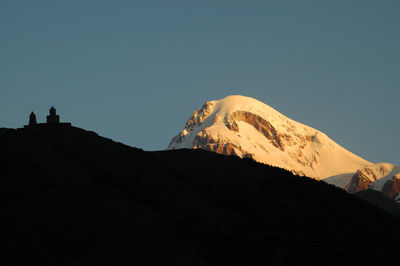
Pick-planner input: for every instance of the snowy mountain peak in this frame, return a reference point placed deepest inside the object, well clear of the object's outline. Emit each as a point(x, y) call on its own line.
point(246, 127)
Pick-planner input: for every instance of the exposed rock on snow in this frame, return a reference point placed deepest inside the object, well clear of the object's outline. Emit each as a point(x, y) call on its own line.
point(363, 178)
point(383, 177)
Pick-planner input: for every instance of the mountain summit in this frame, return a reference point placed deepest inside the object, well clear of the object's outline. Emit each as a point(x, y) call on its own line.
point(246, 127)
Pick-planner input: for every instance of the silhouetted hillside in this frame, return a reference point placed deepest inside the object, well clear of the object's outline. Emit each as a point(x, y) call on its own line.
point(71, 197)
point(380, 200)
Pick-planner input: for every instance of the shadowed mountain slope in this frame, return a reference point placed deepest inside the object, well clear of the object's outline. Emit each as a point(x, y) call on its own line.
point(380, 200)
point(71, 197)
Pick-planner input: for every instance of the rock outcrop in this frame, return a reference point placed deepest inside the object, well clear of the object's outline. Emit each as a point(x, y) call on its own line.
point(383, 177)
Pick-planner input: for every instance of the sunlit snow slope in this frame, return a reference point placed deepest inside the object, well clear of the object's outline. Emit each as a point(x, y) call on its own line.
point(246, 127)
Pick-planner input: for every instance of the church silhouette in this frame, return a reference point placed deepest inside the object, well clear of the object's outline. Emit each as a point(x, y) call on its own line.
point(51, 119)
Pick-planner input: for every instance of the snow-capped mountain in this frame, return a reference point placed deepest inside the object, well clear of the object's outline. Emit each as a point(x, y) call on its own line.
point(246, 127)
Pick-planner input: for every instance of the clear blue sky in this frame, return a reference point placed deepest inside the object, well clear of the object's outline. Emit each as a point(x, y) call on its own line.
point(134, 71)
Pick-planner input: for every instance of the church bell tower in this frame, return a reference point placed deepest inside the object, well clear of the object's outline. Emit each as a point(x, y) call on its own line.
point(53, 118)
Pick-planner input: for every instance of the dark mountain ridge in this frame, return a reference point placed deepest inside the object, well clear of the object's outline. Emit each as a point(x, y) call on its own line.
point(71, 197)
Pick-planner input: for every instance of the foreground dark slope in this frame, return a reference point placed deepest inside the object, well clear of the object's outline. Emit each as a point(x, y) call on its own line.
point(70, 197)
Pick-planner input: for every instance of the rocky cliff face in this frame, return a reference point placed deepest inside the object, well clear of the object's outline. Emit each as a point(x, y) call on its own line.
point(245, 127)
point(383, 177)
point(358, 182)
point(392, 188)
point(363, 178)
